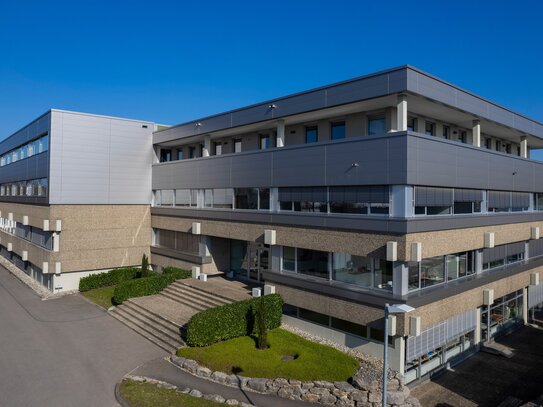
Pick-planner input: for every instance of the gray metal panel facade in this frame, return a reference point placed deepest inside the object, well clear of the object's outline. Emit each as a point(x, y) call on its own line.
point(99, 160)
point(37, 128)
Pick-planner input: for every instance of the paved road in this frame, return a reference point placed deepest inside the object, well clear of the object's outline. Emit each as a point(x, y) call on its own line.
point(62, 352)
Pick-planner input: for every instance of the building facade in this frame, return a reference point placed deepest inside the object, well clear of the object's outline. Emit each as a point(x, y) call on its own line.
point(396, 187)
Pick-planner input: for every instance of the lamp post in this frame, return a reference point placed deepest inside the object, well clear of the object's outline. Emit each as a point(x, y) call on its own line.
point(390, 309)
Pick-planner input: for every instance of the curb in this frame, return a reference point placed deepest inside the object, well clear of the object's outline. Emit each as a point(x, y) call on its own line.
point(118, 396)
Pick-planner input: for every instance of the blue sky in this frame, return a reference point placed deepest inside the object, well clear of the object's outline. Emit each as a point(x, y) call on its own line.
point(172, 61)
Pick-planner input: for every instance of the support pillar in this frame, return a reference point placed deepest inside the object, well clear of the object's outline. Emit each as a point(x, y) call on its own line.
point(525, 305)
point(207, 146)
point(401, 113)
point(476, 133)
point(280, 139)
point(524, 146)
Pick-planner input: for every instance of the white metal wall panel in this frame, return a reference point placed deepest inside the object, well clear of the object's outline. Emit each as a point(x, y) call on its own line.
point(99, 160)
point(439, 334)
point(535, 295)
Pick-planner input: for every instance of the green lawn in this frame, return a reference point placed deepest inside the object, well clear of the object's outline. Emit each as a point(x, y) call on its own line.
point(148, 395)
point(312, 361)
point(101, 296)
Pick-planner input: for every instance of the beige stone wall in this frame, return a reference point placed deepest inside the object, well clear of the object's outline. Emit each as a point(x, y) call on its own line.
point(318, 239)
point(36, 213)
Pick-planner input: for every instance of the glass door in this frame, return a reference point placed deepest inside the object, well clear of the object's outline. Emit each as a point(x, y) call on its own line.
point(258, 260)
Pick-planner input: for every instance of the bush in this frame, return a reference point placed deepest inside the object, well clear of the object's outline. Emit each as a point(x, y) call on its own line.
point(145, 266)
point(110, 278)
point(179, 273)
point(232, 320)
point(148, 285)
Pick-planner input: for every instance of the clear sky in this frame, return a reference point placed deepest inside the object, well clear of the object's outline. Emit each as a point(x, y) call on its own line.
point(173, 61)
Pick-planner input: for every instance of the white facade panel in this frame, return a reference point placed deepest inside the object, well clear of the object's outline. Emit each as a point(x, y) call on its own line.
point(99, 160)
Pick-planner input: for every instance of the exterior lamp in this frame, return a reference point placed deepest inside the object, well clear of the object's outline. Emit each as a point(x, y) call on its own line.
point(390, 309)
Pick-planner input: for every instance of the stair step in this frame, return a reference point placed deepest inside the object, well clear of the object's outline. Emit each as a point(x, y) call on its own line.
point(159, 319)
point(167, 346)
point(216, 297)
point(183, 301)
point(172, 333)
point(191, 296)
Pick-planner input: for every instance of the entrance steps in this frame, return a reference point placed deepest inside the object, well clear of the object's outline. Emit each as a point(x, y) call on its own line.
point(162, 318)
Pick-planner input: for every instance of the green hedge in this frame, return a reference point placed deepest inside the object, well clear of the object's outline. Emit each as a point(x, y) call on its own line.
point(107, 279)
point(147, 285)
point(231, 321)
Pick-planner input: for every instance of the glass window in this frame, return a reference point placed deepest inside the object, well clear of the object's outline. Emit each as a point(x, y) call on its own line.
point(376, 126)
point(218, 148)
point(311, 134)
point(194, 197)
point(264, 141)
point(192, 152)
point(432, 271)
point(223, 198)
point(429, 129)
point(349, 327)
point(539, 202)
point(246, 198)
point(264, 198)
point(182, 197)
point(488, 143)
point(414, 274)
point(312, 262)
point(237, 145)
point(352, 269)
point(411, 123)
point(383, 274)
point(462, 136)
point(314, 317)
point(446, 132)
point(208, 198)
point(165, 155)
point(289, 258)
point(166, 197)
point(179, 153)
point(337, 130)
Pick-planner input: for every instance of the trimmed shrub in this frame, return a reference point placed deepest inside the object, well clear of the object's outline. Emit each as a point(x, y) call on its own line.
point(145, 266)
point(232, 320)
point(179, 273)
point(110, 278)
point(148, 285)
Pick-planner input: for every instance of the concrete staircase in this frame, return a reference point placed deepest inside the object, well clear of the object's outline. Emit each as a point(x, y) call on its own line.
point(161, 318)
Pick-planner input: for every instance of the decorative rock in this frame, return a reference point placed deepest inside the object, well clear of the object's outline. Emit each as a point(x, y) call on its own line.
point(406, 391)
point(195, 393)
point(413, 401)
point(344, 386)
point(328, 399)
point(320, 390)
point(345, 403)
point(184, 391)
point(340, 394)
point(191, 365)
point(393, 384)
point(280, 382)
point(176, 360)
point(166, 386)
point(215, 397)
point(233, 380)
point(219, 377)
point(257, 384)
point(395, 397)
point(308, 385)
point(243, 404)
point(232, 402)
point(359, 395)
point(311, 397)
point(203, 372)
point(365, 403)
point(375, 396)
point(326, 385)
point(137, 378)
point(288, 393)
point(295, 382)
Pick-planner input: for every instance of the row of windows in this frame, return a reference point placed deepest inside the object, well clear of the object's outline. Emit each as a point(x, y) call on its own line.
point(356, 199)
point(439, 269)
point(30, 233)
point(342, 325)
point(362, 271)
point(184, 242)
point(30, 269)
point(34, 147)
point(34, 187)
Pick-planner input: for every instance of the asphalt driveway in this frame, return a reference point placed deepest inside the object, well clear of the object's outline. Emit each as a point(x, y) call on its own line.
point(62, 352)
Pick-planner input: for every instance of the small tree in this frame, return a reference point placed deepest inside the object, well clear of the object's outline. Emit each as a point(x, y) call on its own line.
point(261, 322)
point(144, 266)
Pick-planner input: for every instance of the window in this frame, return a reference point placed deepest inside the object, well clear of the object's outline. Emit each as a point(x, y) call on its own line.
point(312, 263)
point(362, 199)
point(192, 152)
point(411, 123)
point(264, 141)
point(289, 258)
point(311, 134)
point(337, 130)
point(166, 197)
point(488, 143)
point(246, 198)
point(499, 256)
point(460, 265)
point(182, 197)
point(446, 132)
point(223, 198)
point(539, 201)
point(352, 269)
point(29, 149)
point(433, 201)
point(376, 126)
point(313, 316)
point(467, 201)
point(165, 155)
point(303, 199)
point(382, 274)
point(264, 198)
point(218, 148)
point(413, 276)
point(429, 129)
point(179, 153)
point(349, 327)
point(194, 197)
point(508, 148)
point(498, 145)
point(432, 271)
point(237, 145)
point(208, 198)
point(462, 136)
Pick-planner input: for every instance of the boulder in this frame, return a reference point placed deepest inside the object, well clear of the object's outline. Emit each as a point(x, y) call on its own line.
point(328, 399)
point(203, 371)
point(257, 384)
point(219, 377)
point(395, 397)
point(195, 393)
point(344, 386)
point(311, 397)
point(215, 397)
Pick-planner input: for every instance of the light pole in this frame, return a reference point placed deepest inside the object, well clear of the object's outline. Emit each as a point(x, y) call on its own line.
point(390, 309)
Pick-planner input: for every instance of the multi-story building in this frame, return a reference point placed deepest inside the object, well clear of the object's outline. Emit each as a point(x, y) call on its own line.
point(395, 187)
point(74, 196)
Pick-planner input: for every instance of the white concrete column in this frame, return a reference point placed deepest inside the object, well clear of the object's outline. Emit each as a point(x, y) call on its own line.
point(525, 305)
point(280, 139)
point(476, 133)
point(524, 146)
point(207, 146)
point(401, 113)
